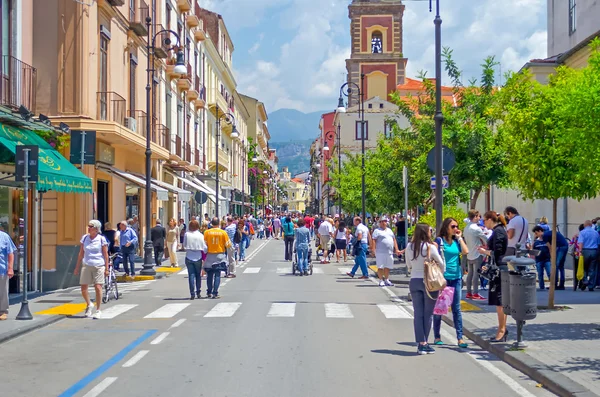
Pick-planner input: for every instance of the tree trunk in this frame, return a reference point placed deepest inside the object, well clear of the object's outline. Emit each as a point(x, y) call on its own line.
point(553, 257)
point(476, 194)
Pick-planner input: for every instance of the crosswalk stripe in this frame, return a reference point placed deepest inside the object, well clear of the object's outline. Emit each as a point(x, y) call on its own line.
point(224, 309)
point(184, 272)
point(394, 311)
point(338, 310)
point(252, 270)
point(317, 270)
point(282, 310)
point(114, 311)
point(284, 270)
point(344, 270)
point(168, 311)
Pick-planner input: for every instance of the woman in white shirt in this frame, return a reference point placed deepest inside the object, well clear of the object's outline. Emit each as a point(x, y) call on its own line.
point(93, 264)
point(417, 252)
point(341, 240)
point(195, 252)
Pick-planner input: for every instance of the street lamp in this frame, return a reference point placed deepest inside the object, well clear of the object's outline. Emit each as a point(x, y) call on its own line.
point(229, 118)
point(349, 86)
point(180, 69)
point(339, 149)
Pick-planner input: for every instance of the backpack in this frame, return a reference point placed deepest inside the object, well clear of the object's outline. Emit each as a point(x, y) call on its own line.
point(237, 237)
point(288, 229)
point(251, 229)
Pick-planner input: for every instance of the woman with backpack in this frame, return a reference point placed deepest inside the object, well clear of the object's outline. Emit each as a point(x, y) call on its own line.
point(288, 237)
point(451, 246)
point(244, 234)
point(419, 251)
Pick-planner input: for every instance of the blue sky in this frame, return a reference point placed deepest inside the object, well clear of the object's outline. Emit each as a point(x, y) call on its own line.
point(291, 53)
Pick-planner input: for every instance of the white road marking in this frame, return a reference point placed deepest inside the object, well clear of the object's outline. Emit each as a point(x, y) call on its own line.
point(284, 270)
point(252, 270)
point(507, 380)
point(394, 311)
point(344, 270)
point(224, 309)
point(168, 311)
point(282, 310)
point(256, 251)
point(184, 272)
point(318, 270)
point(100, 387)
point(338, 310)
point(177, 323)
point(115, 310)
point(224, 282)
point(133, 360)
point(160, 338)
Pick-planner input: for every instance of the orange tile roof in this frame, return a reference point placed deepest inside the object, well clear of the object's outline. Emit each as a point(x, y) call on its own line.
point(297, 180)
point(417, 85)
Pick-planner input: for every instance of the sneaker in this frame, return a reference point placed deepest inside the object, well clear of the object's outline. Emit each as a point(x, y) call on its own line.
point(89, 310)
point(97, 315)
point(363, 278)
point(469, 296)
point(350, 275)
point(382, 283)
point(209, 296)
point(478, 297)
point(389, 283)
point(421, 350)
point(216, 296)
point(429, 349)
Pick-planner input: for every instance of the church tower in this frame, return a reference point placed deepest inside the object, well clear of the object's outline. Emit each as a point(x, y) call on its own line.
point(376, 32)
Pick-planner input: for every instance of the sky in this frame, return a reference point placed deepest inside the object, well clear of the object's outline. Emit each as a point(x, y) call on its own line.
point(291, 53)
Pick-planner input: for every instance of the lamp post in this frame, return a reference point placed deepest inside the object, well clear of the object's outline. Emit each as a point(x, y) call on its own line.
point(349, 86)
point(180, 69)
point(438, 118)
point(339, 149)
point(228, 117)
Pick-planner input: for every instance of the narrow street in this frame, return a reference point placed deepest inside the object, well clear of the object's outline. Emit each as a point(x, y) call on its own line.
point(271, 334)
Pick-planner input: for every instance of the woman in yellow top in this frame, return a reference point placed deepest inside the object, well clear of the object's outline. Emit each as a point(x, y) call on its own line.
point(218, 242)
point(173, 241)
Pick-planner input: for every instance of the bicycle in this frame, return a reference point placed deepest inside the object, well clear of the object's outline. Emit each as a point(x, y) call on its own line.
point(110, 282)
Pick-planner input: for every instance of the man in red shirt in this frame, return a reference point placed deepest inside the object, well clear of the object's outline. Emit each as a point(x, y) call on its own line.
point(308, 222)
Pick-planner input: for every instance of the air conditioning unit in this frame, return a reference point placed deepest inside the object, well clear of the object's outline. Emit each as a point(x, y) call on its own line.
point(131, 123)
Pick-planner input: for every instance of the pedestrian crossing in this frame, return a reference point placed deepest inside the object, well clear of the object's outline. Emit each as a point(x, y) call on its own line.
point(124, 288)
point(279, 270)
point(211, 309)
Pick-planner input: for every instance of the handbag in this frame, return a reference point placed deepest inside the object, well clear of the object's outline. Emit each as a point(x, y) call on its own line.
point(444, 301)
point(221, 266)
point(492, 270)
point(167, 252)
point(433, 276)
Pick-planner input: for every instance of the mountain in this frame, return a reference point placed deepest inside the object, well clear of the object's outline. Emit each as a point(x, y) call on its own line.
point(291, 125)
point(295, 155)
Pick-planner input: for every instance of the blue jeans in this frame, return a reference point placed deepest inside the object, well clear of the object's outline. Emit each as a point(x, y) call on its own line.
point(194, 278)
point(589, 266)
point(213, 280)
point(561, 256)
point(456, 313)
point(401, 240)
point(243, 249)
point(361, 260)
point(128, 257)
point(541, 266)
point(302, 257)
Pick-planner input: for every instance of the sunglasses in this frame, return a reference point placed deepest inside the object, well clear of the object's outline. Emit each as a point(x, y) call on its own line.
point(453, 227)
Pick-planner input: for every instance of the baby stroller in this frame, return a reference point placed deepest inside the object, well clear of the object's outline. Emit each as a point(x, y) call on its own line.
point(295, 261)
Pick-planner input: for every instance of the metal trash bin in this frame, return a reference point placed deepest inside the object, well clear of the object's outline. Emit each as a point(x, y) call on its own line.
point(505, 286)
point(523, 296)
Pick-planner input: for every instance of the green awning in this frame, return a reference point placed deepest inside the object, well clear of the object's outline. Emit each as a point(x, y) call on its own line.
point(56, 173)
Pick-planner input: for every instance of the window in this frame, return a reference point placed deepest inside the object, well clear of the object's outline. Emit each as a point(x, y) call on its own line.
point(572, 16)
point(132, 87)
point(103, 81)
point(387, 129)
point(179, 117)
point(370, 106)
point(168, 16)
point(358, 130)
point(6, 26)
point(168, 110)
point(377, 42)
point(381, 106)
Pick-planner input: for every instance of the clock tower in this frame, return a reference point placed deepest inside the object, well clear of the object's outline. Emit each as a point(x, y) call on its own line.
point(376, 37)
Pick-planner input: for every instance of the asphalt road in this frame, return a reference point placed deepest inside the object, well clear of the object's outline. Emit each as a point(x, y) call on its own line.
point(271, 334)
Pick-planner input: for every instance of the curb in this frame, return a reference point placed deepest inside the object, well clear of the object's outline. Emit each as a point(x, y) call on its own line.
point(394, 281)
point(552, 380)
point(27, 329)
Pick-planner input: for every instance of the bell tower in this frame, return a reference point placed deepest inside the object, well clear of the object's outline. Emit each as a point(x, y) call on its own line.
point(376, 37)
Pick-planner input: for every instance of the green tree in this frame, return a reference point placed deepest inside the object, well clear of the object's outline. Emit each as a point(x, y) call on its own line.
point(551, 136)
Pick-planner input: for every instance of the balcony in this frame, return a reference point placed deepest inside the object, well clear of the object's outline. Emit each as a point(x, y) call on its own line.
point(162, 49)
point(116, 3)
point(185, 82)
point(184, 5)
point(192, 21)
point(200, 101)
point(111, 107)
point(176, 148)
point(170, 69)
point(223, 161)
point(194, 92)
point(199, 33)
point(136, 121)
point(18, 83)
point(137, 18)
point(160, 136)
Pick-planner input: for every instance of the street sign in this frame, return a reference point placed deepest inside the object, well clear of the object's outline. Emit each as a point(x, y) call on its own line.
point(448, 159)
point(445, 182)
point(201, 197)
point(89, 147)
point(32, 167)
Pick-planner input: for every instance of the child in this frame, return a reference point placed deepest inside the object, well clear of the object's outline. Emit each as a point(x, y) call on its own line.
point(261, 231)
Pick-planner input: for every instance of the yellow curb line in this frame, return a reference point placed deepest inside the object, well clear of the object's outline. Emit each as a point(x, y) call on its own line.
point(167, 269)
point(68, 309)
point(125, 279)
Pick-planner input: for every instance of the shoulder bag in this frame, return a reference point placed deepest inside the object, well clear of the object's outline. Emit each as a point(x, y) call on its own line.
point(433, 276)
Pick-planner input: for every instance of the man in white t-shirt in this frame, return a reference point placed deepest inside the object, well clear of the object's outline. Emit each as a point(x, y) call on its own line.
point(517, 230)
point(325, 234)
point(384, 245)
point(363, 237)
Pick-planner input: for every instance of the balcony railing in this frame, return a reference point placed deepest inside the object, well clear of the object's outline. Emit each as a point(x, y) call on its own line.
point(18, 83)
point(136, 121)
point(161, 135)
point(111, 107)
point(137, 18)
point(176, 146)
